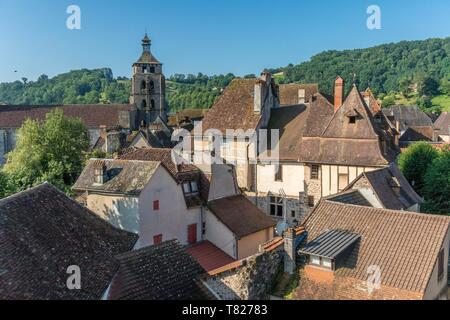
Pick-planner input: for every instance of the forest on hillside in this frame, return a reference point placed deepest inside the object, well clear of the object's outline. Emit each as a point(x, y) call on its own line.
point(408, 72)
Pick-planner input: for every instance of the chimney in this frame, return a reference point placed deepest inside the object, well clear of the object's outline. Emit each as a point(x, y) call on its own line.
point(289, 251)
point(99, 172)
point(258, 94)
point(338, 93)
point(301, 96)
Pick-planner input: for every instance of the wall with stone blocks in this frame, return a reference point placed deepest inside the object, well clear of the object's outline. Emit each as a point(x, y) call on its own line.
point(252, 281)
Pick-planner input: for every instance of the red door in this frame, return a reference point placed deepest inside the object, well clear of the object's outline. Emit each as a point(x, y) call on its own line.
point(192, 234)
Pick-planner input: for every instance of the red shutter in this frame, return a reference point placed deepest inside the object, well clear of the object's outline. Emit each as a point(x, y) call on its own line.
point(192, 234)
point(157, 239)
point(156, 205)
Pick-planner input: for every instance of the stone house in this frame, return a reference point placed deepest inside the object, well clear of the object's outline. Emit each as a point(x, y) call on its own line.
point(144, 197)
point(322, 148)
point(361, 253)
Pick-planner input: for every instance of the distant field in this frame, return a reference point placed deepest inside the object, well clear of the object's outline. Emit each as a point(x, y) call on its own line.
point(443, 101)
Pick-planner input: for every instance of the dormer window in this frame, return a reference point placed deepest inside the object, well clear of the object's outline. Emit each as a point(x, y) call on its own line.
point(190, 188)
point(329, 250)
point(352, 120)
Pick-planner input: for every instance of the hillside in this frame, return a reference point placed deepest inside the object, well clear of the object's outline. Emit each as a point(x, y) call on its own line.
point(412, 72)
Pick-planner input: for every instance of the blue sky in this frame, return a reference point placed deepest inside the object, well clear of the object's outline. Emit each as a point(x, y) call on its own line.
point(209, 36)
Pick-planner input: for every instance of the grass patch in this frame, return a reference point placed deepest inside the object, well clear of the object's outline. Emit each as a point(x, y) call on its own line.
point(442, 101)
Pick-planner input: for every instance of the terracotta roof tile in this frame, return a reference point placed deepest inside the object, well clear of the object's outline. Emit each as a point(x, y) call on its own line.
point(239, 215)
point(404, 245)
point(93, 116)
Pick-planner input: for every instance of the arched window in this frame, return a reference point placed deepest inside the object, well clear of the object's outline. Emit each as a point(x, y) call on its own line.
point(143, 85)
point(152, 85)
point(152, 102)
point(144, 104)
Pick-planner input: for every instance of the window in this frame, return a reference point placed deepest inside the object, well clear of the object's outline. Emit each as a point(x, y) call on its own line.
point(156, 205)
point(157, 239)
point(144, 104)
point(144, 69)
point(441, 259)
point(292, 213)
point(203, 228)
point(315, 260)
point(152, 104)
point(343, 181)
point(152, 69)
point(352, 120)
point(143, 85)
point(190, 187)
point(311, 201)
point(321, 262)
point(276, 206)
point(279, 173)
point(152, 85)
point(314, 172)
point(327, 263)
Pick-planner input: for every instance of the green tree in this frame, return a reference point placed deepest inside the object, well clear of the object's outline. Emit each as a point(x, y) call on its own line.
point(428, 87)
point(437, 185)
point(50, 151)
point(414, 163)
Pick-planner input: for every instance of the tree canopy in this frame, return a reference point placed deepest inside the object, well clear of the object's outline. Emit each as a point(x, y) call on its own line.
point(49, 151)
point(414, 163)
point(437, 185)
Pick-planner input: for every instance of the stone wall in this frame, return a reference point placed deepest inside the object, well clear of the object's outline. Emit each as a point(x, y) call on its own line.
point(297, 205)
point(252, 281)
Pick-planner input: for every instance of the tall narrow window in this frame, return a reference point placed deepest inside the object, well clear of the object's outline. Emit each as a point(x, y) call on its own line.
point(156, 205)
point(152, 69)
point(441, 265)
point(343, 181)
point(152, 104)
point(314, 172)
point(152, 85)
point(144, 104)
point(279, 172)
point(311, 201)
point(143, 85)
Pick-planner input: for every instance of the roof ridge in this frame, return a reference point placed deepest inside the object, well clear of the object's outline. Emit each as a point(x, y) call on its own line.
point(384, 210)
point(26, 191)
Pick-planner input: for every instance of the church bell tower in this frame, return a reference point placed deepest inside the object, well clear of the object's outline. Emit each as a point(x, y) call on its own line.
point(148, 87)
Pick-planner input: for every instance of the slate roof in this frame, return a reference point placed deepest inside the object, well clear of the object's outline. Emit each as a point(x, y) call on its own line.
point(288, 93)
point(161, 272)
point(408, 116)
point(405, 245)
point(414, 133)
point(344, 143)
point(93, 116)
point(162, 155)
point(443, 124)
point(124, 176)
point(42, 233)
point(330, 244)
point(234, 109)
point(385, 183)
point(240, 215)
point(350, 197)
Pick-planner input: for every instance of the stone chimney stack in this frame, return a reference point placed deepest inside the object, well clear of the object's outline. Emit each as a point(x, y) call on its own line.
point(289, 251)
point(99, 172)
point(258, 95)
point(301, 96)
point(339, 85)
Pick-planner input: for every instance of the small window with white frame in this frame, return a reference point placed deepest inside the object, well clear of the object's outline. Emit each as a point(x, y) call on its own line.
point(190, 187)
